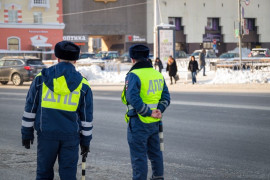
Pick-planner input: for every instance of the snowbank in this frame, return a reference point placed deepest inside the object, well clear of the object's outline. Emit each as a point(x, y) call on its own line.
point(115, 73)
point(94, 74)
point(228, 76)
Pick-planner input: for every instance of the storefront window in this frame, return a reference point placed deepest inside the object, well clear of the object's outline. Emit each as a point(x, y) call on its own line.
point(207, 45)
point(13, 44)
point(12, 16)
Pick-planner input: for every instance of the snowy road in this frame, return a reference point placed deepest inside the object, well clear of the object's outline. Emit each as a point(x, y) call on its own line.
point(207, 136)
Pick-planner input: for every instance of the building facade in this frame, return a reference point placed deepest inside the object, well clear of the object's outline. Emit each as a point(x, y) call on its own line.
point(30, 24)
point(97, 25)
point(212, 23)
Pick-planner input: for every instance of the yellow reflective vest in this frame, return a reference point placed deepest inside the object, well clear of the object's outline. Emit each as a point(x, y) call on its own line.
point(152, 83)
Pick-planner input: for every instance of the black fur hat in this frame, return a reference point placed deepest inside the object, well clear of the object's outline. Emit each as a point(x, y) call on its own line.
point(67, 50)
point(139, 52)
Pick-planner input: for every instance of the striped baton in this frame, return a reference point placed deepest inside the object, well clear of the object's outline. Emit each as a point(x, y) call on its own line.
point(83, 167)
point(161, 136)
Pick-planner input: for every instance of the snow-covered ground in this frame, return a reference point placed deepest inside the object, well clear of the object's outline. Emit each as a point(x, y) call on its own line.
point(115, 74)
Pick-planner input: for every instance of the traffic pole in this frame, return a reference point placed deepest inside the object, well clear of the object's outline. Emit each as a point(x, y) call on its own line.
point(240, 33)
point(83, 167)
point(161, 140)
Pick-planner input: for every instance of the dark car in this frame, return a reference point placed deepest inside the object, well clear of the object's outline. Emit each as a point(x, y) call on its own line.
point(107, 55)
point(87, 55)
point(180, 54)
point(228, 55)
point(125, 57)
point(19, 69)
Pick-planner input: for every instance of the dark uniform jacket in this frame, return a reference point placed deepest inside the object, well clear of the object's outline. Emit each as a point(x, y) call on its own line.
point(54, 122)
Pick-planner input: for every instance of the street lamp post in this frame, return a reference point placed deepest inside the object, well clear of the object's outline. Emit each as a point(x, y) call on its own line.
point(240, 32)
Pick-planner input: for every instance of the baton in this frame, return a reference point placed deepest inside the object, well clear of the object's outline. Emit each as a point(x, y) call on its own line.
point(83, 166)
point(160, 134)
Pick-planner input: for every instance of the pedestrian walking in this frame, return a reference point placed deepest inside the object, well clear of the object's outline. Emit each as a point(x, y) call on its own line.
point(193, 68)
point(172, 69)
point(202, 61)
point(146, 96)
point(59, 106)
point(158, 64)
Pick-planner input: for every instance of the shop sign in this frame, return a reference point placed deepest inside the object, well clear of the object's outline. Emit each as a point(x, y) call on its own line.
point(135, 38)
point(209, 37)
point(75, 38)
point(38, 32)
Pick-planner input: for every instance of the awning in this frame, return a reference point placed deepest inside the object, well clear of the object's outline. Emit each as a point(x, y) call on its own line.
point(42, 45)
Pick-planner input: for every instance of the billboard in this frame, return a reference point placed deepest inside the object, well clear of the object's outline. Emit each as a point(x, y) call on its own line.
point(166, 42)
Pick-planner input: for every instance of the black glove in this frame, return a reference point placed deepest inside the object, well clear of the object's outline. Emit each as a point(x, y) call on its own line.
point(26, 143)
point(84, 151)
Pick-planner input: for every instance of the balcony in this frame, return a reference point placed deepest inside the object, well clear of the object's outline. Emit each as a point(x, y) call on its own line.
point(40, 3)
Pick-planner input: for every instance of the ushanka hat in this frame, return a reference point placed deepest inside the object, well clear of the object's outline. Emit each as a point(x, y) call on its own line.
point(139, 52)
point(67, 50)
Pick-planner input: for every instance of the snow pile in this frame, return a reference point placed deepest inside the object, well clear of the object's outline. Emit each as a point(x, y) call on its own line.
point(94, 74)
point(228, 76)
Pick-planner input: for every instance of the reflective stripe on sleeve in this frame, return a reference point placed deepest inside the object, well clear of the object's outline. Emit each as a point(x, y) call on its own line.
point(29, 115)
point(143, 109)
point(87, 124)
point(152, 105)
point(149, 105)
point(27, 124)
point(86, 133)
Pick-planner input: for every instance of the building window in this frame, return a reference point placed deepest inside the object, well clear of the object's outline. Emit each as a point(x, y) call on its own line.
point(12, 16)
point(13, 43)
point(212, 24)
point(40, 3)
point(37, 17)
point(176, 21)
point(251, 24)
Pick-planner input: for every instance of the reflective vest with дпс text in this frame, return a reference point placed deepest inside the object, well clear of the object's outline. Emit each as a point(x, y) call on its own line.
point(68, 101)
point(152, 83)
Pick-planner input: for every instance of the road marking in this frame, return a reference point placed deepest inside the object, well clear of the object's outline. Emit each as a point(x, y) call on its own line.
point(13, 93)
point(187, 103)
point(219, 105)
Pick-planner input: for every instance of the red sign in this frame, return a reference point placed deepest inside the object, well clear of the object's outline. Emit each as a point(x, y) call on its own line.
point(214, 41)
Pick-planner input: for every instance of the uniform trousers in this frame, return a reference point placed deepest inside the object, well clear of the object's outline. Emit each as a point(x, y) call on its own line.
point(144, 142)
point(66, 151)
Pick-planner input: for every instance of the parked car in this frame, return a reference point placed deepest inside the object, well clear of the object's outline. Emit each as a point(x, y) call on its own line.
point(125, 57)
point(228, 55)
point(259, 52)
point(19, 69)
point(209, 53)
point(107, 55)
point(180, 54)
point(86, 55)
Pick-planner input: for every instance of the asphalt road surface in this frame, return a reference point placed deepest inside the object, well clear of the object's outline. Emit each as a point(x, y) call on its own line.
point(207, 136)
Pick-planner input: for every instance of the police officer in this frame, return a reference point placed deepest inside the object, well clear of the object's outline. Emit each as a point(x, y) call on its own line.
point(59, 106)
point(146, 96)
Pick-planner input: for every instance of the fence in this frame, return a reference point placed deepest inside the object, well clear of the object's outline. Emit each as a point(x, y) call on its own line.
point(247, 63)
point(44, 55)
